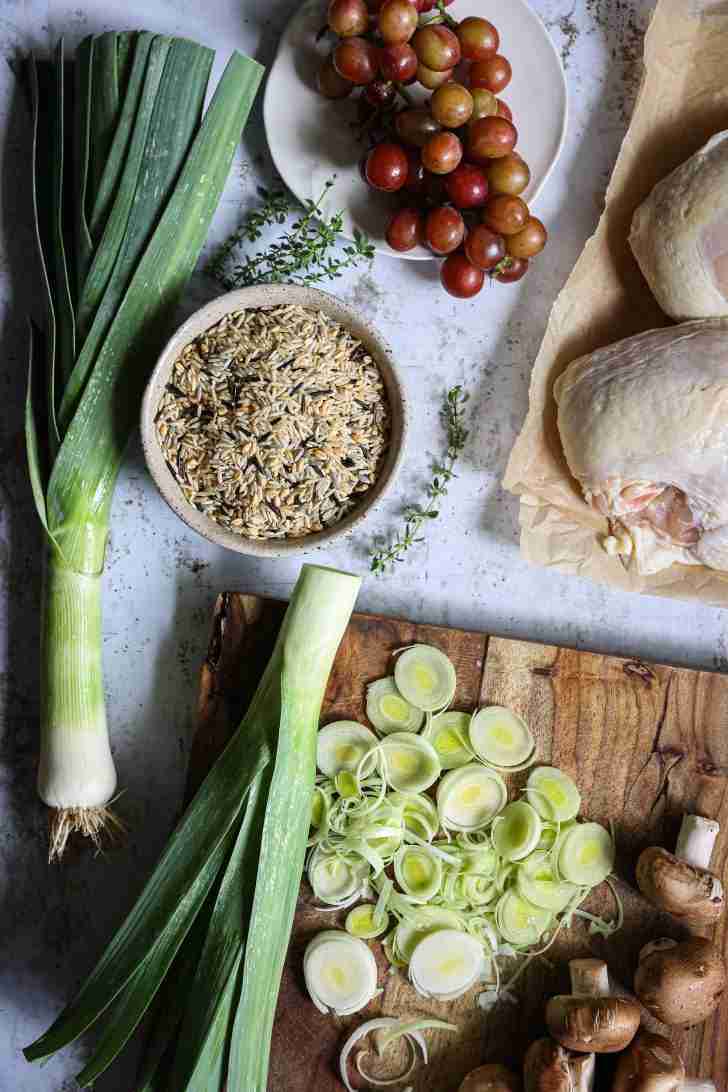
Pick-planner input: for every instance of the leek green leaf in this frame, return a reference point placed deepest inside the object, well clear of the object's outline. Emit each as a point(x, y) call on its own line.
point(81, 153)
point(66, 329)
point(104, 108)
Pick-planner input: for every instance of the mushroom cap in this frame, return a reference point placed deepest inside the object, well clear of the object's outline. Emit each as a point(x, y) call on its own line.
point(680, 984)
point(651, 1063)
point(493, 1077)
point(548, 1067)
point(692, 894)
point(600, 1024)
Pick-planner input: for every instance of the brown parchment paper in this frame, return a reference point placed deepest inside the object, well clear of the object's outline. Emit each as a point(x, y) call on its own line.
point(682, 101)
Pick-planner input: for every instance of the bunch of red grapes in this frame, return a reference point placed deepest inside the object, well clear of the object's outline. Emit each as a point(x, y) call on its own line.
point(453, 159)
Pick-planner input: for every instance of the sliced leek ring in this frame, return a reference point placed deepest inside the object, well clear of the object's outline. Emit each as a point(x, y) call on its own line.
point(363, 921)
point(342, 745)
point(335, 878)
point(420, 923)
point(553, 794)
point(520, 921)
point(389, 711)
point(340, 972)
point(425, 677)
point(516, 831)
point(537, 881)
point(448, 734)
point(418, 871)
point(410, 762)
point(470, 797)
point(501, 738)
point(446, 964)
point(419, 813)
point(586, 854)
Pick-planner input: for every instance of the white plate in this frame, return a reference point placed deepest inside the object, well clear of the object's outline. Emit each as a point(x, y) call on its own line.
point(311, 138)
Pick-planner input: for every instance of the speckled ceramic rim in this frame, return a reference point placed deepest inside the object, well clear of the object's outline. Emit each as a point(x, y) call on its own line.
point(271, 295)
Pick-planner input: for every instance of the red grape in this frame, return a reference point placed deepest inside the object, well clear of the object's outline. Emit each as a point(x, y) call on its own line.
point(431, 79)
point(484, 248)
point(485, 104)
point(356, 59)
point(509, 174)
point(494, 73)
point(415, 126)
point(444, 230)
point(398, 62)
point(505, 214)
point(415, 172)
point(504, 110)
point(451, 105)
point(436, 47)
point(348, 17)
point(529, 241)
point(397, 21)
point(467, 186)
point(490, 138)
point(442, 153)
point(460, 277)
point(330, 83)
point(516, 268)
point(405, 229)
point(379, 93)
point(478, 38)
point(386, 167)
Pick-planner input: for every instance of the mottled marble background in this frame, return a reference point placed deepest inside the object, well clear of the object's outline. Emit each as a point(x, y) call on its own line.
point(161, 579)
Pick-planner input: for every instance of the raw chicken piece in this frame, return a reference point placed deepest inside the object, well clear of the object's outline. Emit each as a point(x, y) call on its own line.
point(680, 235)
point(644, 426)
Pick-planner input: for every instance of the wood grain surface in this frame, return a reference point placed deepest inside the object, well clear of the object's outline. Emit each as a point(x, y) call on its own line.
point(644, 742)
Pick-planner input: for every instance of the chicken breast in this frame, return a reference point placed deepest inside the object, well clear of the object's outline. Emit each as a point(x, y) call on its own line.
point(644, 427)
point(679, 235)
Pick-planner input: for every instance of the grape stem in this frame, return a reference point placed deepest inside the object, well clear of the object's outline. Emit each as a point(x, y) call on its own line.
point(416, 517)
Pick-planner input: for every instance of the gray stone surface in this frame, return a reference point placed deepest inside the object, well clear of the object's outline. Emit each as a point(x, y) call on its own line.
point(161, 579)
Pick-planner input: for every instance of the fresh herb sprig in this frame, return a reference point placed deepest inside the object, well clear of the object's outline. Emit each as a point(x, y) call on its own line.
point(307, 253)
point(417, 516)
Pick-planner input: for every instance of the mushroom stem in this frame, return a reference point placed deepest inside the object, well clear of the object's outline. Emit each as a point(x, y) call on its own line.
point(696, 840)
point(589, 977)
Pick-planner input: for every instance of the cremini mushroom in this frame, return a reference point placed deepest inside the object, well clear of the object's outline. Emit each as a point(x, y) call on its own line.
point(549, 1067)
point(651, 1063)
point(491, 1078)
point(680, 983)
point(681, 882)
point(590, 1018)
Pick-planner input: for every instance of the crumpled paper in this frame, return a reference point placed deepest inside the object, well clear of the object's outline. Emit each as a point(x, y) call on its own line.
point(683, 100)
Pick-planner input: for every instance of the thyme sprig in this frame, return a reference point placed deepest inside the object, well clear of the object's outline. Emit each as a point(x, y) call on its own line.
point(416, 517)
point(307, 253)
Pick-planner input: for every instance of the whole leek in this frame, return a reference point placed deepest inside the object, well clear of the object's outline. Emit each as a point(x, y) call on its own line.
point(126, 176)
point(209, 932)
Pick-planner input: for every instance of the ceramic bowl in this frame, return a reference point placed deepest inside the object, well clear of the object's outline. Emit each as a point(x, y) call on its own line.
point(272, 296)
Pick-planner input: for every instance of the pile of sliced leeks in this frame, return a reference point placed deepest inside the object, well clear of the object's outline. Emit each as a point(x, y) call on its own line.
point(461, 883)
point(208, 935)
point(127, 172)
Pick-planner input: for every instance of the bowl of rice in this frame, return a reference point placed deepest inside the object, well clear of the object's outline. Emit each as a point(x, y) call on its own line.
point(274, 421)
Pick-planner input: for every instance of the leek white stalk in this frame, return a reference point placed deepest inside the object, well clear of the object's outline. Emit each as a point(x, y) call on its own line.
point(76, 775)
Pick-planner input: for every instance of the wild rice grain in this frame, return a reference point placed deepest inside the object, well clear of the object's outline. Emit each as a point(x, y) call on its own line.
point(274, 422)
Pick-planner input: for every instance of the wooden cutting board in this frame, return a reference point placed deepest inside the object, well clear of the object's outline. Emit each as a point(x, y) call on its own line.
point(644, 742)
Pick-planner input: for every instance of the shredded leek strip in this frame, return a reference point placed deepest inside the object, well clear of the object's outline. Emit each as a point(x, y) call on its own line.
point(407, 1027)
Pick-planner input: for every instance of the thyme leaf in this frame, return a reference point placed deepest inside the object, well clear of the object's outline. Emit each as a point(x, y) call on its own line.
point(443, 471)
point(306, 253)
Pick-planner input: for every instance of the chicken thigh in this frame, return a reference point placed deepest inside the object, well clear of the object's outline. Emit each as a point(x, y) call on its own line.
point(644, 427)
